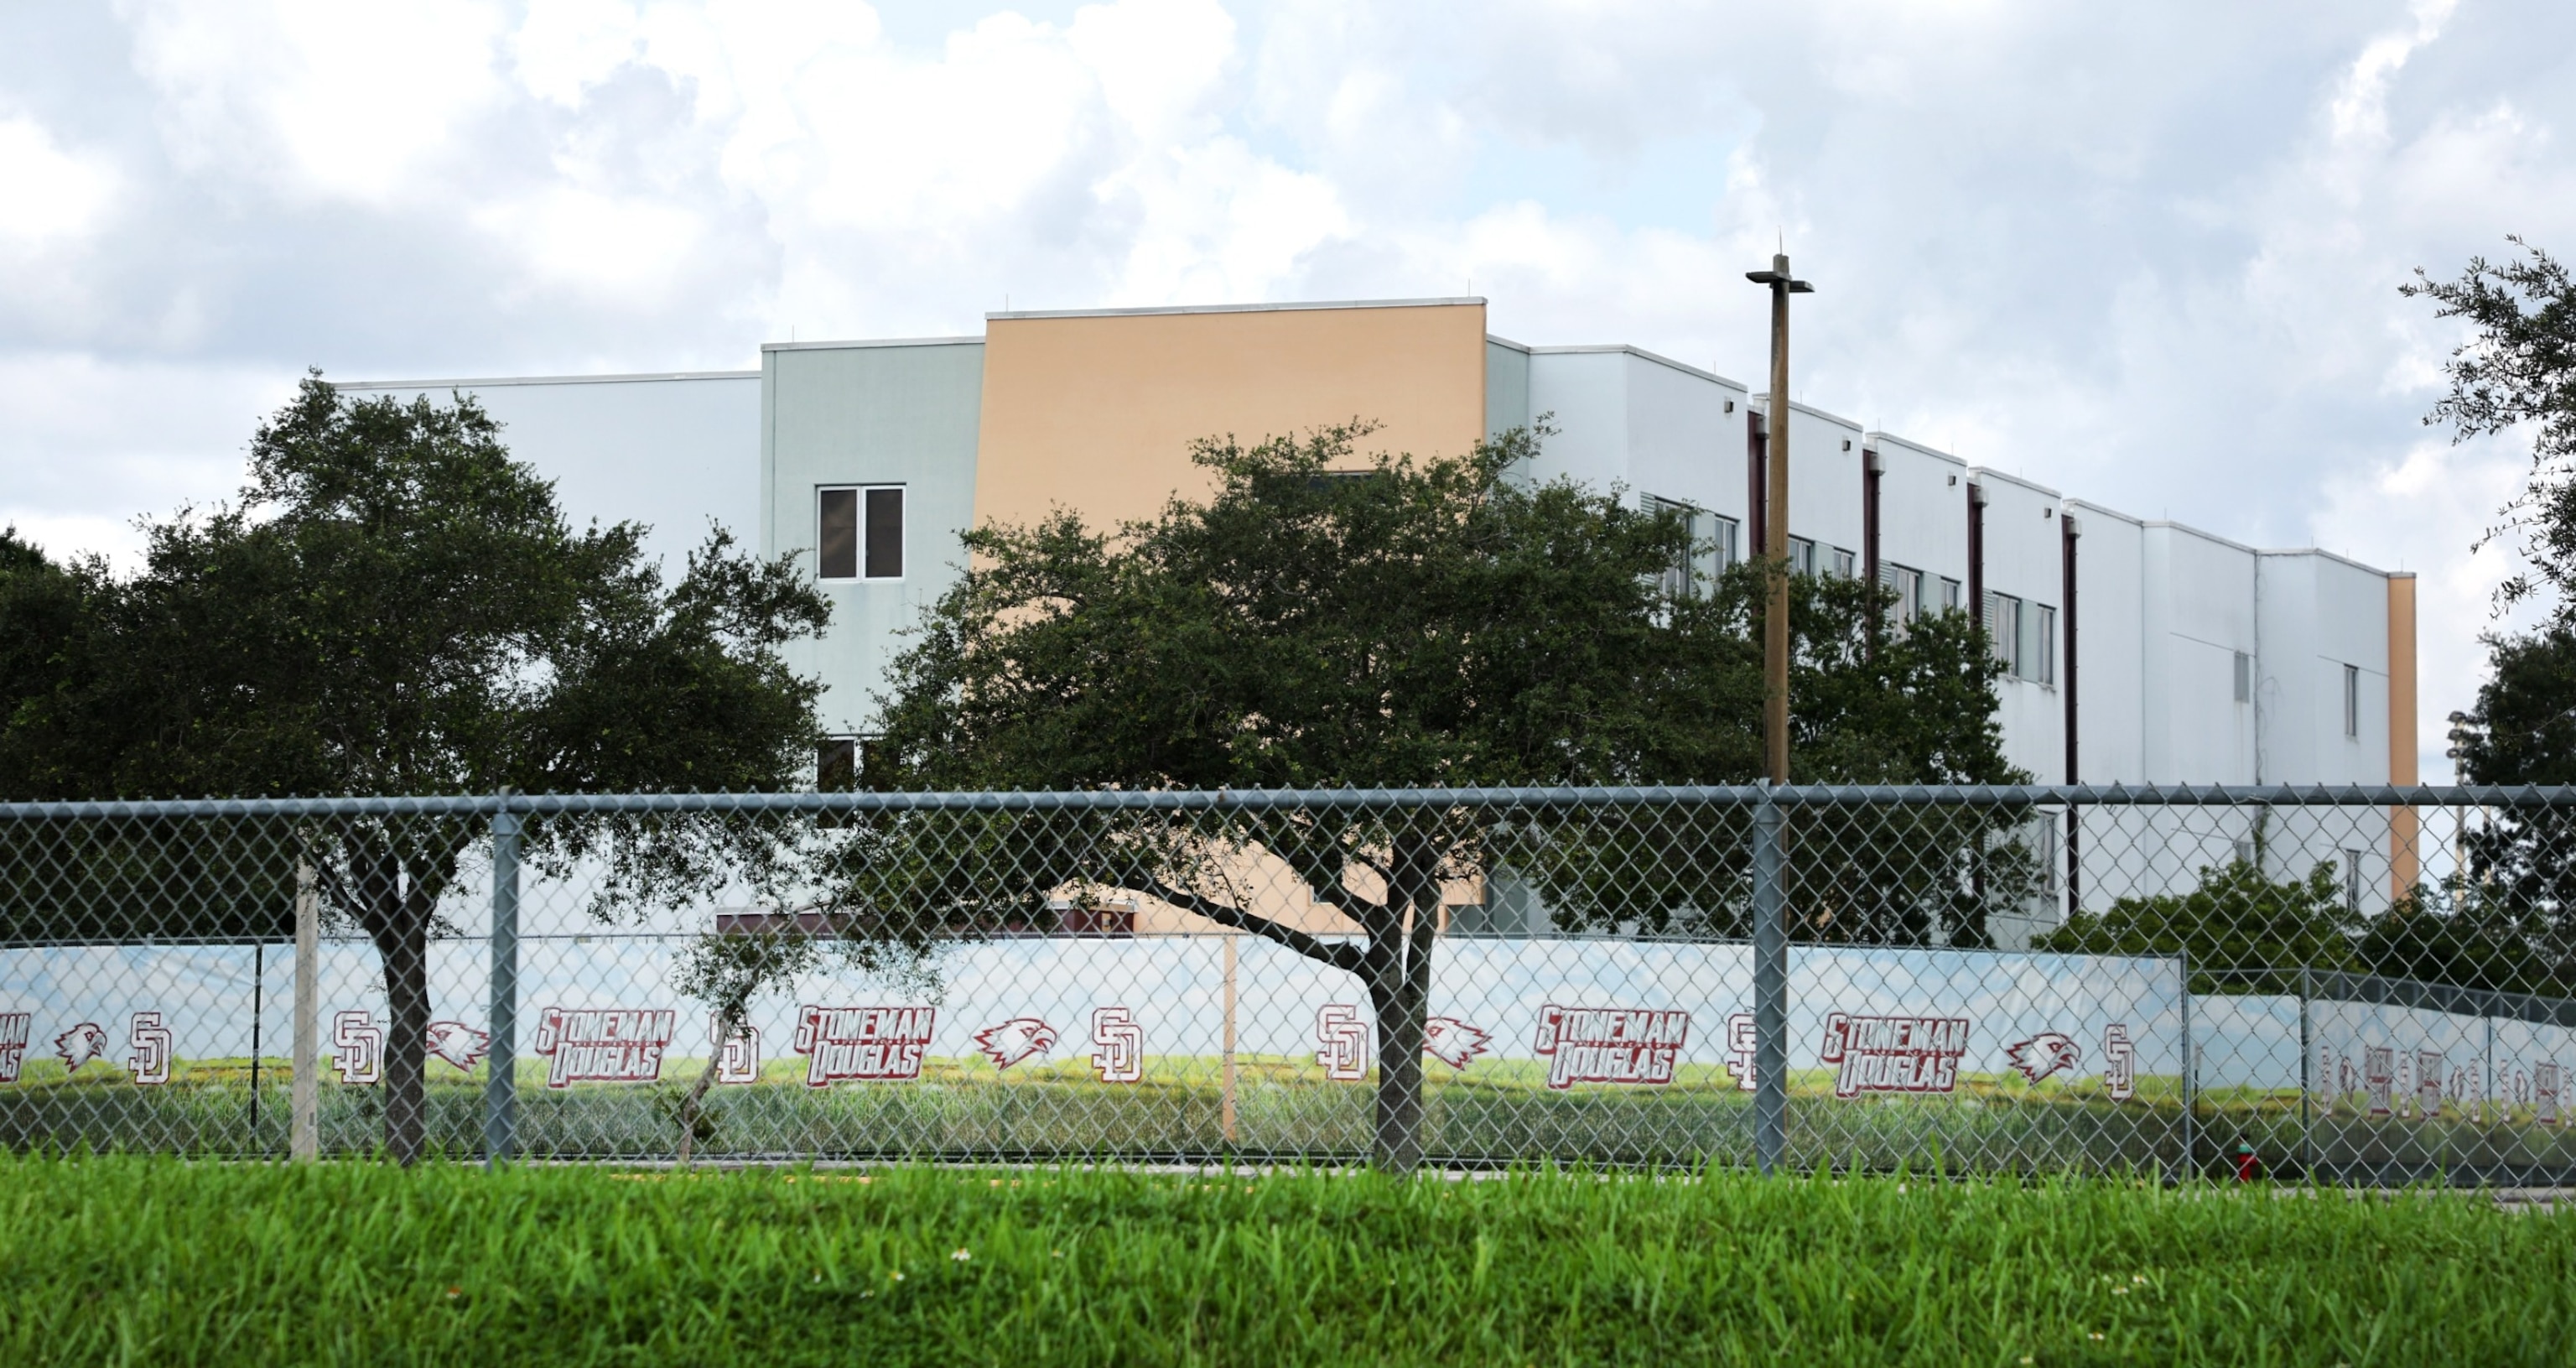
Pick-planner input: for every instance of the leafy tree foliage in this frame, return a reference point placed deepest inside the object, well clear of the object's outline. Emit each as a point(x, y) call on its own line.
point(2238, 920)
point(1327, 620)
point(2516, 371)
point(2515, 900)
point(2509, 915)
point(396, 606)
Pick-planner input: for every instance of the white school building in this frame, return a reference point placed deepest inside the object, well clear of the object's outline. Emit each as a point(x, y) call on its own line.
point(2139, 651)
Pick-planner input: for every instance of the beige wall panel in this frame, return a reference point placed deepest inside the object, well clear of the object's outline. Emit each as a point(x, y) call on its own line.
point(2405, 855)
point(1096, 413)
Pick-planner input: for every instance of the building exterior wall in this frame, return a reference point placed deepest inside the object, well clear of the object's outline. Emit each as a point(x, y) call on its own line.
point(1507, 386)
point(2110, 661)
point(1824, 479)
point(1922, 512)
point(1096, 411)
point(673, 452)
point(2199, 615)
point(2025, 559)
point(904, 414)
point(1636, 421)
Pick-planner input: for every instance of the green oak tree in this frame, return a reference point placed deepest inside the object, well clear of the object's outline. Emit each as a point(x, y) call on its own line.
point(2514, 376)
point(1327, 619)
point(2516, 373)
point(395, 605)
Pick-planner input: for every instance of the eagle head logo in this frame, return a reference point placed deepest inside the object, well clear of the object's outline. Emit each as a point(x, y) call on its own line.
point(2043, 1054)
point(1015, 1040)
point(458, 1043)
point(1453, 1042)
point(80, 1045)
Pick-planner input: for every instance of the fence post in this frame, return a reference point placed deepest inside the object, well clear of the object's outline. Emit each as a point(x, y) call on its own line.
point(2307, 1076)
point(304, 1085)
point(1770, 990)
point(2190, 1079)
point(501, 1065)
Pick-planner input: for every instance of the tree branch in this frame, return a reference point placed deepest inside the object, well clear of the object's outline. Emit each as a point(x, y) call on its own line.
point(1348, 958)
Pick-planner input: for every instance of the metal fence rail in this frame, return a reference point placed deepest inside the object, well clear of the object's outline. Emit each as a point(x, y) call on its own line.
point(2364, 984)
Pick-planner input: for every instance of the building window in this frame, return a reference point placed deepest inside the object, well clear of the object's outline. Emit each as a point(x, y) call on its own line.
point(1906, 583)
point(850, 764)
point(1712, 548)
point(2244, 678)
point(2352, 701)
point(2003, 630)
point(1846, 565)
point(859, 532)
point(836, 765)
point(2024, 636)
point(2049, 858)
point(1802, 556)
point(1951, 593)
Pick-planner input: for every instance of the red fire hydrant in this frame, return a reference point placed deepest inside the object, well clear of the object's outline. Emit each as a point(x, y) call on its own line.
point(2248, 1165)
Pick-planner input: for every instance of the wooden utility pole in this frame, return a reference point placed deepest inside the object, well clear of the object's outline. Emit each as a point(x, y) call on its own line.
point(1775, 521)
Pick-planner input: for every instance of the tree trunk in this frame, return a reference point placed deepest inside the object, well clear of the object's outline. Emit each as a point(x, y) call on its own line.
point(406, 959)
point(1396, 995)
point(691, 1101)
point(397, 919)
point(1399, 984)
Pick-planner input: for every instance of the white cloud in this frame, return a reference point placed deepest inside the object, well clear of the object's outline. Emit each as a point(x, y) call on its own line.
point(91, 443)
point(46, 194)
point(621, 249)
point(366, 102)
point(2087, 244)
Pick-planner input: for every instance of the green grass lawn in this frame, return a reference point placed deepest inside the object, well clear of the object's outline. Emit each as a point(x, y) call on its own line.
point(151, 1261)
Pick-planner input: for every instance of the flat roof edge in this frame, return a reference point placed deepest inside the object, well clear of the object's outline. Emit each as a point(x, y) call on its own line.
point(1811, 411)
point(1878, 435)
point(2259, 551)
point(2337, 557)
point(1454, 301)
point(2073, 505)
point(1624, 349)
point(852, 344)
point(2007, 477)
point(498, 381)
point(2169, 525)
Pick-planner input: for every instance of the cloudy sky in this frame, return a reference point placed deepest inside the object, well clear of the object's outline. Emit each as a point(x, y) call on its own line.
point(2147, 254)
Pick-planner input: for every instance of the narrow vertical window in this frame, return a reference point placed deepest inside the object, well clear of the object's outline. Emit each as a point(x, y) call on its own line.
point(2352, 700)
point(2004, 630)
point(838, 534)
point(1950, 594)
point(885, 534)
point(2244, 678)
point(1802, 556)
point(1846, 564)
point(1727, 552)
point(2044, 658)
point(2352, 880)
point(836, 764)
point(1680, 577)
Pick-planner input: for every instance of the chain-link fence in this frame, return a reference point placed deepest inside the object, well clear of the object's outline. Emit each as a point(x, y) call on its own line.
point(2360, 985)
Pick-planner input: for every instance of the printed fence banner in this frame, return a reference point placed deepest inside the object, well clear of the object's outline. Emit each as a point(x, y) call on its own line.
point(603, 1044)
point(1579, 1013)
point(864, 1044)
